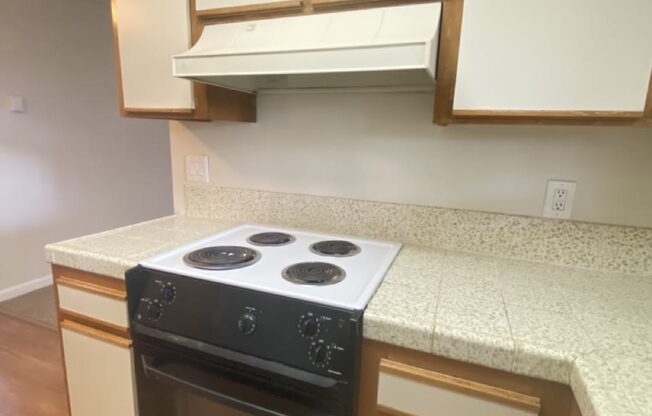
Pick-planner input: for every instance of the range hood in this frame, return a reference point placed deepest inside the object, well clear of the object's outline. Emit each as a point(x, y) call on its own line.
point(380, 47)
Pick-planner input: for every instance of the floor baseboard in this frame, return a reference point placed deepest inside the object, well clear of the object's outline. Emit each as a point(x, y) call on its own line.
point(21, 289)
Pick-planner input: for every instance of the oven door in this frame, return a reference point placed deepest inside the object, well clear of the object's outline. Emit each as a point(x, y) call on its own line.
point(203, 380)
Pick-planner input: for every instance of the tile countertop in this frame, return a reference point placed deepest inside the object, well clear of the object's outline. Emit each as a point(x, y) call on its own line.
point(591, 330)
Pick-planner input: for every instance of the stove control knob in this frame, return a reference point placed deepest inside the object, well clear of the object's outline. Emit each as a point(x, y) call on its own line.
point(247, 323)
point(309, 327)
point(320, 354)
point(168, 293)
point(154, 311)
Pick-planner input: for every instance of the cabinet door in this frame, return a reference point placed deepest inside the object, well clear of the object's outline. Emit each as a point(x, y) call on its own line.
point(404, 390)
point(223, 8)
point(147, 34)
point(99, 372)
point(555, 56)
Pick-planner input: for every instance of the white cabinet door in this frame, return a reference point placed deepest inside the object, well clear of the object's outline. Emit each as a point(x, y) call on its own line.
point(148, 34)
point(99, 373)
point(408, 390)
point(245, 4)
point(554, 55)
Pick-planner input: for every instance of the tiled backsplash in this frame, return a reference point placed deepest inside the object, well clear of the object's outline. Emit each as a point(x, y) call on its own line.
point(586, 245)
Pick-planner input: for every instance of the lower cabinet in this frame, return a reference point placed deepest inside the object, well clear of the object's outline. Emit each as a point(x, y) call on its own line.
point(408, 390)
point(396, 381)
point(97, 352)
point(98, 370)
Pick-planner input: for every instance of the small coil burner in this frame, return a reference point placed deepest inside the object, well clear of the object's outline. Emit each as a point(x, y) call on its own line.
point(271, 239)
point(335, 248)
point(314, 273)
point(222, 257)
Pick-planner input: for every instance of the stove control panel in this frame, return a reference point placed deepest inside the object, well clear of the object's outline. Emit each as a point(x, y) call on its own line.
point(305, 335)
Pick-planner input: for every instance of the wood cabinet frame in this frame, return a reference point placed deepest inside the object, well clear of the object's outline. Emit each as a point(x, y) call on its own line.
point(552, 398)
point(88, 325)
point(211, 103)
point(444, 113)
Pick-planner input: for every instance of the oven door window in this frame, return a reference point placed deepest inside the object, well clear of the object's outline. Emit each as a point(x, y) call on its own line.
point(171, 382)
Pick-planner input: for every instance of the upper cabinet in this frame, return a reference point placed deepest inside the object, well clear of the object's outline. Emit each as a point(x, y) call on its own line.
point(552, 61)
point(147, 33)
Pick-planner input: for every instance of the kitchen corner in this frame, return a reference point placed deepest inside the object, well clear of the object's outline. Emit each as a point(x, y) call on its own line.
point(469, 286)
point(326, 208)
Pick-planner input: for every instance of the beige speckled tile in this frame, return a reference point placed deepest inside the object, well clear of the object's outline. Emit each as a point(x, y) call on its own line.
point(421, 225)
point(520, 238)
point(547, 342)
point(626, 249)
point(632, 371)
point(464, 287)
point(415, 265)
point(402, 315)
point(495, 350)
point(617, 334)
point(573, 243)
point(471, 265)
point(597, 388)
point(467, 231)
point(584, 245)
point(536, 296)
point(473, 314)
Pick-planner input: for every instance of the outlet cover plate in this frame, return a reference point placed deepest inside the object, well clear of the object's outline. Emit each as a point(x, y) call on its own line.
point(197, 168)
point(560, 196)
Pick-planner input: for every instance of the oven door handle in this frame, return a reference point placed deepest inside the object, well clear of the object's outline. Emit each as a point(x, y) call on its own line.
point(189, 377)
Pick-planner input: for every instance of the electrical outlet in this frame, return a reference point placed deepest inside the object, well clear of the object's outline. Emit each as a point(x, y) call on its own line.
point(197, 168)
point(559, 199)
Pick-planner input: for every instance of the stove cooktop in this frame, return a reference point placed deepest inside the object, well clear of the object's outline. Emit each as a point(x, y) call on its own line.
point(333, 270)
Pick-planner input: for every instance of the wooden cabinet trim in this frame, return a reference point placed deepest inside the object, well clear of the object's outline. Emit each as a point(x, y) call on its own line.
point(70, 316)
point(390, 411)
point(607, 118)
point(450, 33)
point(90, 282)
point(96, 333)
point(252, 9)
point(463, 385)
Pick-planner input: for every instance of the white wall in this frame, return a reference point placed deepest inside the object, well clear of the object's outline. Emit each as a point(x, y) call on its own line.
point(69, 165)
point(384, 147)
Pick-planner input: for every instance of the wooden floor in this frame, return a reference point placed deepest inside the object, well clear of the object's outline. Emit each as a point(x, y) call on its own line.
point(31, 371)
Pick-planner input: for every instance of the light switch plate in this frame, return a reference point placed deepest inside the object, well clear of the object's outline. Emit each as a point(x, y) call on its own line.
point(16, 104)
point(560, 196)
point(197, 168)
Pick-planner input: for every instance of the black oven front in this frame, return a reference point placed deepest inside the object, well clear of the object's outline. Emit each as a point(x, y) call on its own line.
point(217, 350)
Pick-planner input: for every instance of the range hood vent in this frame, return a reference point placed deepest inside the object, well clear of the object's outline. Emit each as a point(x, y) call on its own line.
point(380, 47)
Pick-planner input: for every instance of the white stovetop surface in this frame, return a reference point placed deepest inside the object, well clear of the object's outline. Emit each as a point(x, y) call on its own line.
point(364, 271)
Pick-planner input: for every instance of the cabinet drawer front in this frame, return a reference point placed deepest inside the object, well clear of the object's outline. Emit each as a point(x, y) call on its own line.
point(407, 390)
point(99, 307)
point(99, 373)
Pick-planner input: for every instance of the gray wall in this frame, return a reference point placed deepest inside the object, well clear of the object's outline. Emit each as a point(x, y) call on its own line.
point(69, 165)
point(384, 147)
